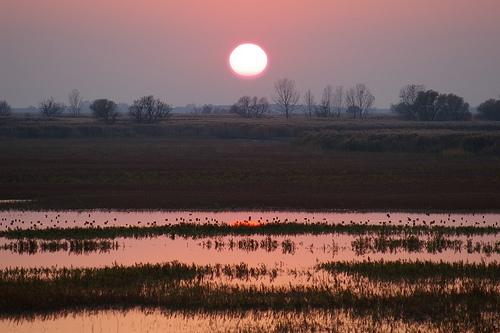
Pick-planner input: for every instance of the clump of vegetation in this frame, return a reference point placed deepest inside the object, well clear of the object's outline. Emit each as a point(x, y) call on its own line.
point(247, 244)
point(489, 110)
point(105, 110)
point(406, 270)
point(436, 243)
point(73, 246)
point(149, 110)
point(49, 108)
point(250, 107)
point(416, 103)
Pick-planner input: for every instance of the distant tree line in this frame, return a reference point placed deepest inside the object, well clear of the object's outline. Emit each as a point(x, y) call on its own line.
point(356, 102)
point(146, 109)
point(415, 103)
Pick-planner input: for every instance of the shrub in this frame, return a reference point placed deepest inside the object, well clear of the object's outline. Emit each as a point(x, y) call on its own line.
point(250, 107)
point(50, 108)
point(104, 109)
point(147, 109)
point(489, 110)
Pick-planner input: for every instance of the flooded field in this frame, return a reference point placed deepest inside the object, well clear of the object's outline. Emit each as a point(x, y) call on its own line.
point(227, 271)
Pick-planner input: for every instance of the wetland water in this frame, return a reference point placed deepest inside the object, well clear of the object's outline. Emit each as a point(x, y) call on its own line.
point(293, 251)
point(247, 259)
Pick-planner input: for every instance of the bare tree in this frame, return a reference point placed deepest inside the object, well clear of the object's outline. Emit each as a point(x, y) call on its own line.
point(407, 107)
point(262, 106)
point(286, 96)
point(75, 102)
point(359, 100)
point(105, 110)
point(5, 109)
point(147, 109)
point(309, 104)
point(338, 101)
point(409, 93)
point(325, 106)
point(250, 107)
point(50, 108)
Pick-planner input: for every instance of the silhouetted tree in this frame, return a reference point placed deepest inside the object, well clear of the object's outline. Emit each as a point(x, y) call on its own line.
point(309, 104)
point(359, 100)
point(489, 110)
point(452, 107)
point(325, 105)
point(50, 108)
point(5, 109)
point(75, 102)
point(286, 96)
point(250, 107)
point(338, 103)
point(147, 109)
point(425, 105)
point(407, 97)
point(105, 110)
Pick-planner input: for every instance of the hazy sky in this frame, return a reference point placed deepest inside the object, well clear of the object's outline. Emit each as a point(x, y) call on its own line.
point(178, 49)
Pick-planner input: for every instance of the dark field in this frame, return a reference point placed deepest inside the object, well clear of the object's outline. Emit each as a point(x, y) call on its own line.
point(192, 170)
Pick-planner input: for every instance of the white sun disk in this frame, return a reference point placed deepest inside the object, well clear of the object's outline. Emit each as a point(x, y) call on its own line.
point(248, 60)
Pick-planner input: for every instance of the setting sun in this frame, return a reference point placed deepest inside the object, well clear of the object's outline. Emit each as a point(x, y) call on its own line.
point(248, 60)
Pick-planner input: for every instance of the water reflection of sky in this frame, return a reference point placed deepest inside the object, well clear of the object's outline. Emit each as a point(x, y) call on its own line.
point(300, 251)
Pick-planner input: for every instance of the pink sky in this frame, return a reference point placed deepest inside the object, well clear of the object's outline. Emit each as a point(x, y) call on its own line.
point(178, 49)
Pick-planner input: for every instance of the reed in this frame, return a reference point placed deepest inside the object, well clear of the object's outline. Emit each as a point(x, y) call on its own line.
point(193, 230)
point(181, 286)
point(406, 270)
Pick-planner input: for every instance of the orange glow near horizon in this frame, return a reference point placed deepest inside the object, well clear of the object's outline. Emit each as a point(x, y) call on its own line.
point(249, 223)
